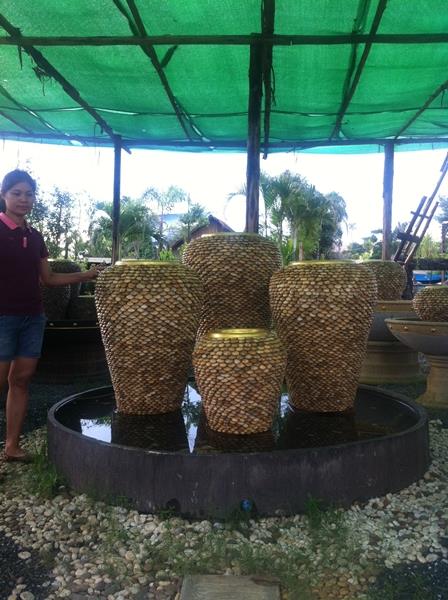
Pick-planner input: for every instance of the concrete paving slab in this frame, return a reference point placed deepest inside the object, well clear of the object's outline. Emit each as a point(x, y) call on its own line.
point(228, 587)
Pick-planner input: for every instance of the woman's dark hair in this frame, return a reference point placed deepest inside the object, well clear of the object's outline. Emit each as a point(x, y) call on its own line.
point(13, 178)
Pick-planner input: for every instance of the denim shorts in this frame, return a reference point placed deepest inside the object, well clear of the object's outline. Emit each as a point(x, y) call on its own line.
point(21, 336)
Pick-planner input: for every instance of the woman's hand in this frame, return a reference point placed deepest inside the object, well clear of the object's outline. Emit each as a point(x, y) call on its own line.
point(50, 279)
point(92, 273)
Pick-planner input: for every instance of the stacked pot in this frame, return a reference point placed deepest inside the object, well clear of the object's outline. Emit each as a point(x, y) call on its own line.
point(239, 361)
point(245, 322)
point(235, 269)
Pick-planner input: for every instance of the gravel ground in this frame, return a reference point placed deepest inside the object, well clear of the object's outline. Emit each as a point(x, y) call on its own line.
point(71, 546)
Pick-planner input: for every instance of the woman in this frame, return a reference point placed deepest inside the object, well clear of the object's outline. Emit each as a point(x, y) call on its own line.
point(23, 265)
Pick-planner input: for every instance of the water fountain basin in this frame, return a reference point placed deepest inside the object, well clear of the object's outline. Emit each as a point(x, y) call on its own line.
point(279, 481)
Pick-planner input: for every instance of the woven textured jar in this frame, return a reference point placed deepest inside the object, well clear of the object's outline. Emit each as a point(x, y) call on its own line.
point(148, 313)
point(60, 265)
point(235, 269)
point(239, 374)
point(323, 311)
point(55, 301)
point(431, 303)
point(390, 278)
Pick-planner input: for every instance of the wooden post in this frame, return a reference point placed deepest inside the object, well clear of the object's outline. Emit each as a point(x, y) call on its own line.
point(388, 184)
point(253, 138)
point(116, 200)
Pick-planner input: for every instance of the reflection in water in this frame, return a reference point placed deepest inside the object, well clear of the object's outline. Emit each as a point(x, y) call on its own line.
point(208, 441)
point(93, 414)
point(155, 432)
point(303, 429)
point(99, 428)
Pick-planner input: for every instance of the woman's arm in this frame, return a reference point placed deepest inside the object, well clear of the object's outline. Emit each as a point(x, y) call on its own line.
point(51, 279)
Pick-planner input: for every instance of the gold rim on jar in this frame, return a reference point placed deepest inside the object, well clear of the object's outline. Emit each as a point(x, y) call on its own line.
point(394, 305)
point(228, 233)
point(220, 334)
point(300, 263)
point(137, 261)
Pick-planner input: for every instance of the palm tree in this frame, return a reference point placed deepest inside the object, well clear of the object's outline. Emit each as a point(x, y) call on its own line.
point(333, 218)
point(279, 194)
point(137, 229)
point(194, 217)
point(290, 200)
point(162, 203)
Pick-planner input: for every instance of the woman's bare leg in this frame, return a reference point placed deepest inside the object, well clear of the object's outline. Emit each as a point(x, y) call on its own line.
point(4, 371)
point(20, 373)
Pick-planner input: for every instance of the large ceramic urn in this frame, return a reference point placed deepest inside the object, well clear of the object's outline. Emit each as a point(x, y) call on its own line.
point(390, 278)
point(57, 299)
point(431, 303)
point(235, 269)
point(239, 374)
point(148, 314)
point(323, 311)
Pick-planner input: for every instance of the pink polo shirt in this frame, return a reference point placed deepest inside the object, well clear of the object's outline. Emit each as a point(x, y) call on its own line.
point(21, 251)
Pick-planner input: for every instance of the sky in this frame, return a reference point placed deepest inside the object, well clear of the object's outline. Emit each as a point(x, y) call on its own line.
point(209, 178)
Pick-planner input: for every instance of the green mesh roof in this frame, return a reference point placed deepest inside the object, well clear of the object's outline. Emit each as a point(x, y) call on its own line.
point(175, 73)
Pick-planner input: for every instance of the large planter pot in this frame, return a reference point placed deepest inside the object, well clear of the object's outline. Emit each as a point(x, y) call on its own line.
point(67, 266)
point(148, 314)
point(55, 301)
point(431, 304)
point(235, 269)
point(323, 312)
point(390, 278)
point(239, 374)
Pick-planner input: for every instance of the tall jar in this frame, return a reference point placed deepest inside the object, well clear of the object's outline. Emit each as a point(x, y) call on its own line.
point(323, 311)
point(431, 303)
point(390, 278)
point(239, 374)
point(235, 269)
point(148, 312)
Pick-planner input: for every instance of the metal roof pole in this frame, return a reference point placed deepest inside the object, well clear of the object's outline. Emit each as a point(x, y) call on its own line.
point(116, 200)
point(253, 137)
point(388, 184)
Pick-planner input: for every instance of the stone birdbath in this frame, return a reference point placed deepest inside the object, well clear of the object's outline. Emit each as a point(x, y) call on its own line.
point(430, 338)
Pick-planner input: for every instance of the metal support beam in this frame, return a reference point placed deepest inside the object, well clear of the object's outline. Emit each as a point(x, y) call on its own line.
point(116, 200)
point(253, 138)
point(388, 184)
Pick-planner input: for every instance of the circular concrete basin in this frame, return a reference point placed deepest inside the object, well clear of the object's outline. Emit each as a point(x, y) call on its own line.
point(165, 461)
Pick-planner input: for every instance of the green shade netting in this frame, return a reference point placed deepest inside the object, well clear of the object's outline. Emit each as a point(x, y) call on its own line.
point(198, 97)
